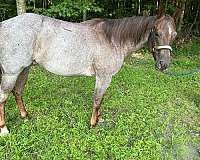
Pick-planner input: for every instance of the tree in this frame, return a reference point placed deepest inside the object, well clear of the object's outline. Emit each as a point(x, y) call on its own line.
point(80, 10)
point(21, 6)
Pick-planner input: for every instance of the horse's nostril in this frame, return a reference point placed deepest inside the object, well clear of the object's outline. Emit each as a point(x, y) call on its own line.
point(162, 65)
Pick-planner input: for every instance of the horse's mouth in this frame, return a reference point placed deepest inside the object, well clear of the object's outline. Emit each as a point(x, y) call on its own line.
point(161, 66)
point(162, 69)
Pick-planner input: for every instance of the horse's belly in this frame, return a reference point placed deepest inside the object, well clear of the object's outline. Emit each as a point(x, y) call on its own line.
point(68, 69)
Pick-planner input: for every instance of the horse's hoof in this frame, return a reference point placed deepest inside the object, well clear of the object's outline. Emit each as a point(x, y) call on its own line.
point(25, 118)
point(93, 120)
point(92, 123)
point(24, 115)
point(4, 131)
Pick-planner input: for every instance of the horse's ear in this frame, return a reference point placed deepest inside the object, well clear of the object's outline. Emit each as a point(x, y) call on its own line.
point(161, 12)
point(177, 14)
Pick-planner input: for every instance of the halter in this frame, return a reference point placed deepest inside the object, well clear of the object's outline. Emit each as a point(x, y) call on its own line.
point(162, 47)
point(158, 47)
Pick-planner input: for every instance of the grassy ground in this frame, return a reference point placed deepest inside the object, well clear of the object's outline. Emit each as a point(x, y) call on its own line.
point(148, 115)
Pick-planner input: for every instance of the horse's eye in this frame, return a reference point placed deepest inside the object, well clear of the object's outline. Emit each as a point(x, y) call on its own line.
point(156, 34)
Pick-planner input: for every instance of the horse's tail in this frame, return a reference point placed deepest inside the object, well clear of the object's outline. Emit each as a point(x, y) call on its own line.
point(0, 75)
point(0, 54)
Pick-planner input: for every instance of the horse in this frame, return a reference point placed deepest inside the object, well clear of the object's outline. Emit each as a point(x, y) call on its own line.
point(97, 47)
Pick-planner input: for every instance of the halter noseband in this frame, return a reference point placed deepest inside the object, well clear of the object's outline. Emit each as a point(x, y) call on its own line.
point(158, 47)
point(162, 47)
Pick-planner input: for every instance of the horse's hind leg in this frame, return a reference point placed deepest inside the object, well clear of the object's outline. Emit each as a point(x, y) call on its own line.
point(7, 85)
point(102, 83)
point(18, 89)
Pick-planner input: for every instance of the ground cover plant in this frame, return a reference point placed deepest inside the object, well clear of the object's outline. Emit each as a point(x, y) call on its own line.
point(148, 114)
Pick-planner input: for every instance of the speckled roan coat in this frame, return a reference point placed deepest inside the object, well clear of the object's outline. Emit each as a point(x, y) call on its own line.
point(64, 48)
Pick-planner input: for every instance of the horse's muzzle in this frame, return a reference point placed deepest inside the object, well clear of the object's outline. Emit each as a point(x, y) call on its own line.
point(162, 65)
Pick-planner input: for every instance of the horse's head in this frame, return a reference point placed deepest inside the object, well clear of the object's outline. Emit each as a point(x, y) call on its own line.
point(161, 36)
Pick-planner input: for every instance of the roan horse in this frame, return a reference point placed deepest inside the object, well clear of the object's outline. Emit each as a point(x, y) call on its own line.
point(95, 47)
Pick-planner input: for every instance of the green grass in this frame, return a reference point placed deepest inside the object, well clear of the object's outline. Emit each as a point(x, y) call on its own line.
point(148, 115)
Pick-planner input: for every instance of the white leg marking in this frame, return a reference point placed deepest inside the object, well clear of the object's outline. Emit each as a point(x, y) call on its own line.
point(4, 131)
point(3, 96)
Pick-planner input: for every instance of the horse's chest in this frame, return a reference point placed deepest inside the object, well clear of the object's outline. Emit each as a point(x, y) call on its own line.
point(109, 62)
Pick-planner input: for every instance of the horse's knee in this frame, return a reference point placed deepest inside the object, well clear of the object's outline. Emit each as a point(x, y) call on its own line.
point(17, 93)
point(7, 85)
point(97, 103)
point(3, 96)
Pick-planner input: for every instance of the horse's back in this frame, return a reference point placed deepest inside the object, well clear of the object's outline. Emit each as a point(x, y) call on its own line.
point(20, 27)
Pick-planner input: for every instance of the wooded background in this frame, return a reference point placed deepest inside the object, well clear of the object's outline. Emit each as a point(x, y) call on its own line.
point(79, 10)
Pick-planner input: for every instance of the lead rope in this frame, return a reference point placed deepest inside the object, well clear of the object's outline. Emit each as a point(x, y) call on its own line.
point(192, 71)
point(172, 74)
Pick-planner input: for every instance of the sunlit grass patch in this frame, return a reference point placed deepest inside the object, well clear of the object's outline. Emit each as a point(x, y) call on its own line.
point(148, 115)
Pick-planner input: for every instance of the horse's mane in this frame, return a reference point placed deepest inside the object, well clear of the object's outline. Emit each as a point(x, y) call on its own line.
point(132, 29)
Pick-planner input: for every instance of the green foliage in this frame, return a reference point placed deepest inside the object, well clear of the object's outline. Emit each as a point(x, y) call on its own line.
point(7, 9)
point(148, 115)
point(71, 9)
point(171, 9)
point(189, 49)
point(78, 10)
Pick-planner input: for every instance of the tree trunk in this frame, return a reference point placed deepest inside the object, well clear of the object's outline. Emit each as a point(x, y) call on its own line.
point(157, 4)
point(181, 17)
point(195, 21)
point(139, 7)
point(84, 15)
point(21, 6)
point(166, 3)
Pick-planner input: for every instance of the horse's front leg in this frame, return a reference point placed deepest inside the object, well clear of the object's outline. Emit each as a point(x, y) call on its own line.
point(102, 83)
point(7, 85)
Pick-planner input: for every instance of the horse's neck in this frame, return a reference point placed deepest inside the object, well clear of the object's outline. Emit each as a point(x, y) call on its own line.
point(130, 47)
